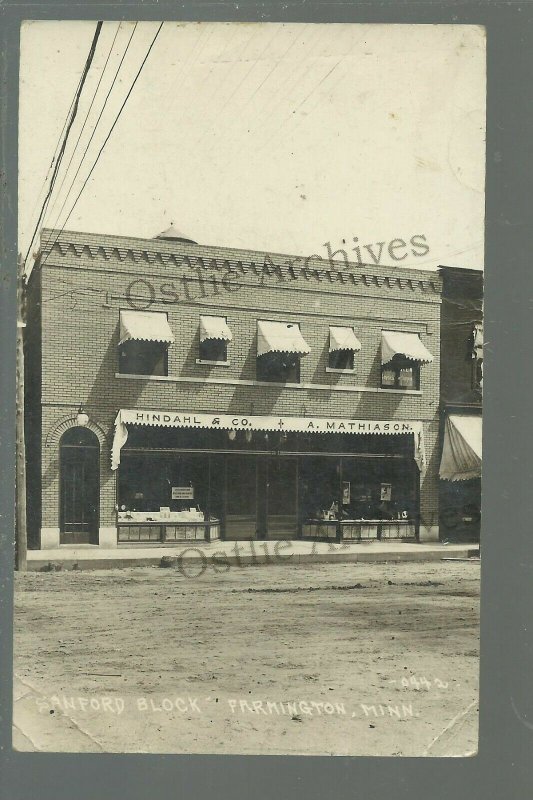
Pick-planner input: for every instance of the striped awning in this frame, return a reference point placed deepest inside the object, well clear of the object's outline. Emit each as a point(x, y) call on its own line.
point(408, 345)
point(145, 326)
point(461, 452)
point(343, 339)
point(280, 337)
point(214, 328)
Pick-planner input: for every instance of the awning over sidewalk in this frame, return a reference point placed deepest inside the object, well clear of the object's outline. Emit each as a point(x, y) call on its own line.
point(173, 419)
point(408, 345)
point(145, 326)
point(214, 328)
point(343, 339)
point(280, 337)
point(461, 452)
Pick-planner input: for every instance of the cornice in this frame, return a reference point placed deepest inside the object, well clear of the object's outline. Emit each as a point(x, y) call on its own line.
point(237, 262)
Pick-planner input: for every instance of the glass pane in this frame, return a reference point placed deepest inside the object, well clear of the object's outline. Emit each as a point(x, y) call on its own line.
point(388, 377)
point(341, 359)
point(213, 350)
point(407, 378)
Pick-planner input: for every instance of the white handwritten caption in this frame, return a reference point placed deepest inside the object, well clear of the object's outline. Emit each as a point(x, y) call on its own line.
point(196, 706)
point(412, 682)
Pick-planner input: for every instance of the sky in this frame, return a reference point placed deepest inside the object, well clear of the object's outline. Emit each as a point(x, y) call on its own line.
point(268, 136)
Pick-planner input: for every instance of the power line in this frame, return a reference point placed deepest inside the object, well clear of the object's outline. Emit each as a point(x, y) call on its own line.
point(96, 125)
point(55, 152)
point(67, 132)
point(110, 132)
point(87, 114)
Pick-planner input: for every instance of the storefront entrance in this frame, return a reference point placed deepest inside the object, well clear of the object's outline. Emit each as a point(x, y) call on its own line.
point(282, 498)
point(261, 497)
point(79, 453)
point(241, 497)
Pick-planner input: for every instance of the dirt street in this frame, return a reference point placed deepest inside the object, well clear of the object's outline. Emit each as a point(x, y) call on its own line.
point(351, 659)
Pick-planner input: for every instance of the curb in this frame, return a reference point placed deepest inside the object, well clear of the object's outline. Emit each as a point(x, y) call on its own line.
point(259, 559)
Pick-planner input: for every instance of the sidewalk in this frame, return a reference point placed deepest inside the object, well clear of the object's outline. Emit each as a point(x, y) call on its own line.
point(221, 554)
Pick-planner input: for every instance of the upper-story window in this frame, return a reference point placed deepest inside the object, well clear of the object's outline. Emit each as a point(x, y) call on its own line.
point(143, 343)
point(400, 374)
point(214, 337)
point(343, 344)
point(401, 357)
point(280, 346)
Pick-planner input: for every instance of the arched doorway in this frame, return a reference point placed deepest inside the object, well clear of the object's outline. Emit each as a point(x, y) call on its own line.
point(79, 470)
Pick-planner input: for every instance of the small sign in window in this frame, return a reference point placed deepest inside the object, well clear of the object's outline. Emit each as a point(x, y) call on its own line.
point(182, 493)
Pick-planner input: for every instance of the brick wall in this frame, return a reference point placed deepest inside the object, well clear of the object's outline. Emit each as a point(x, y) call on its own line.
point(85, 280)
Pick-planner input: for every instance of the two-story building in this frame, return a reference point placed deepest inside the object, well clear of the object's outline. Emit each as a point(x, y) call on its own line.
point(461, 385)
point(179, 391)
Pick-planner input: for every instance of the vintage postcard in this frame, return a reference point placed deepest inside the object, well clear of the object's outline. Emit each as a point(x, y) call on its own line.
point(250, 371)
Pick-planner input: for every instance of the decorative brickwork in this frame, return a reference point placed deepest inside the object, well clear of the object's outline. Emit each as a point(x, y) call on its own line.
point(53, 437)
point(83, 280)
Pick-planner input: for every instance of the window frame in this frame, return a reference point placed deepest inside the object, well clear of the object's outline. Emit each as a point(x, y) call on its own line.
point(163, 346)
point(397, 365)
point(335, 353)
point(261, 377)
point(332, 354)
point(205, 359)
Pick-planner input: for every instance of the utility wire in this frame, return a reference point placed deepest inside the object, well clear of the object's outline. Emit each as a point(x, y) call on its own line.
point(108, 135)
point(67, 132)
point(56, 149)
point(86, 116)
point(95, 127)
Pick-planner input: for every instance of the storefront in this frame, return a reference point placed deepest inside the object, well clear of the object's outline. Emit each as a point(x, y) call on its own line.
point(460, 473)
point(294, 399)
point(203, 477)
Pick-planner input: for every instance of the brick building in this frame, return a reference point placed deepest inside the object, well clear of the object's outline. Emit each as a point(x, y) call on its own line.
point(178, 391)
point(461, 383)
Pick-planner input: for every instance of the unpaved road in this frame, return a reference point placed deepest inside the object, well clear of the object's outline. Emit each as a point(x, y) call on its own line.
point(351, 659)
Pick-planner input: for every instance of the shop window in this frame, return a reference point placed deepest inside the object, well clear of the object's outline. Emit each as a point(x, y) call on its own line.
point(400, 373)
point(279, 367)
point(213, 350)
point(143, 358)
point(341, 359)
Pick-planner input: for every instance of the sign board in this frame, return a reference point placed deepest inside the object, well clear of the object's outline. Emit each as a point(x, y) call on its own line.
point(386, 491)
point(182, 493)
point(266, 423)
point(229, 422)
point(164, 512)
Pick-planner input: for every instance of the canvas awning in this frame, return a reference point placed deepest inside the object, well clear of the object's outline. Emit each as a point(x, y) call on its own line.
point(280, 337)
point(214, 328)
point(408, 345)
point(266, 423)
point(461, 452)
point(343, 339)
point(145, 326)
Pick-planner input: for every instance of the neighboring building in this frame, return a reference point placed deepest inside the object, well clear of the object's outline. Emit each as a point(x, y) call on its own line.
point(177, 392)
point(461, 381)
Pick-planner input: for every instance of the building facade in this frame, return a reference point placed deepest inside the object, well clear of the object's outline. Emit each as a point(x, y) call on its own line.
point(461, 403)
point(177, 391)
